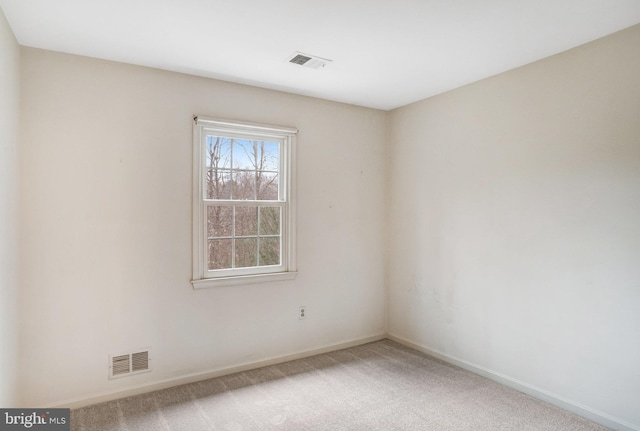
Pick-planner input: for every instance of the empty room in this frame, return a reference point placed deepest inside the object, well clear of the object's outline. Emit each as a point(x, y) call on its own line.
point(296, 215)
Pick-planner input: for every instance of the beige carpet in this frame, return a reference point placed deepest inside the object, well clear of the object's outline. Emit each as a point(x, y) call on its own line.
point(376, 386)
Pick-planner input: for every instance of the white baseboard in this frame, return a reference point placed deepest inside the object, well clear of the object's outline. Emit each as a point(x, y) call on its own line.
point(539, 393)
point(191, 378)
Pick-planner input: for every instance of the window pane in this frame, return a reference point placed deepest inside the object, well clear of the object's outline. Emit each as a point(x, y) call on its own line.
point(217, 168)
point(269, 221)
point(246, 252)
point(270, 156)
point(269, 251)
point(218, 152)
point(246, 221)
point(218, 184)
point(219, 221)
point(219, 253)
point(245, 154)
point(267, 186)
point(244, 185)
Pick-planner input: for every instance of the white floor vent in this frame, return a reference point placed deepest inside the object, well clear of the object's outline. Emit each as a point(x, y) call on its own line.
point(129, 363)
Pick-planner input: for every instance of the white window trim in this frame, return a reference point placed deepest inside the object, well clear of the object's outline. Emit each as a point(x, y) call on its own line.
point(200, 277)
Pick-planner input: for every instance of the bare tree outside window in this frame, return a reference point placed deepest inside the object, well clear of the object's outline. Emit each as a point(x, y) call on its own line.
point(242, 175)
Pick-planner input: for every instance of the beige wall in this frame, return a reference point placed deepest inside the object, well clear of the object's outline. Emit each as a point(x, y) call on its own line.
point(106, 247)
point(515, 240)
point(9, 124)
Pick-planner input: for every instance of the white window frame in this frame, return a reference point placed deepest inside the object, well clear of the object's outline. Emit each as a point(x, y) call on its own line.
point(203, 277)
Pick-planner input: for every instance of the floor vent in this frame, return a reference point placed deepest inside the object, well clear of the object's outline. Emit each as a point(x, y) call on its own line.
point(307, 60)
point(129, 363)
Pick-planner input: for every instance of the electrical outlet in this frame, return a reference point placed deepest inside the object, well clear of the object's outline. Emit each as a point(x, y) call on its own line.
point(301, 313)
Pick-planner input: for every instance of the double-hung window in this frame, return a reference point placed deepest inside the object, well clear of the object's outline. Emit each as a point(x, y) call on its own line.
point(243, 209)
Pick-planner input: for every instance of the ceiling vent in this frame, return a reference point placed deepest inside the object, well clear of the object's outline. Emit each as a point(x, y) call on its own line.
point(128, 364)
point(306, 60)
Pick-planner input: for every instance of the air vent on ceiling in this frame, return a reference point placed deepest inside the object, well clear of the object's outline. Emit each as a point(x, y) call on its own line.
point(306, 60)
point(129, 363)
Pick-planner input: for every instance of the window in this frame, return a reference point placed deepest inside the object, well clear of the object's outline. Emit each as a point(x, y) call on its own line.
point(243, 209)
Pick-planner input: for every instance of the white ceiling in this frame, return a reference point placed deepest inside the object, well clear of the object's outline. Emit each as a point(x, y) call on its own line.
point(386, 53)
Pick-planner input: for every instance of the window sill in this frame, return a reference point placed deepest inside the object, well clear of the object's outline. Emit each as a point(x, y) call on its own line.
point(242, 279)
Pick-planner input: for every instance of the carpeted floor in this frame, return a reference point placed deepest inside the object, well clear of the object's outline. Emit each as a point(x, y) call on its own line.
point(376, 386)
